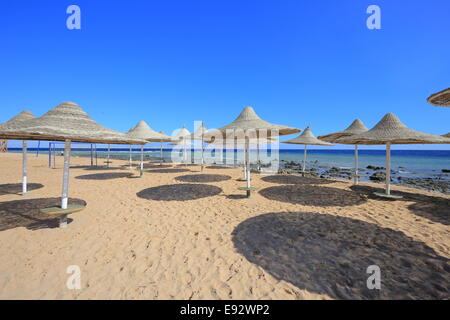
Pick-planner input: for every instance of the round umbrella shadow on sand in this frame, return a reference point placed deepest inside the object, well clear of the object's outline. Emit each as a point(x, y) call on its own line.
point(16, 188)
point(169, 170)
point(101, 168)
point(156, 166)
point(329, 255)
point(202, 178)
point(311, 195)
point(179, 192)
point(219, 167)
point(291, 179)
point(104, 176)
point(25, 213)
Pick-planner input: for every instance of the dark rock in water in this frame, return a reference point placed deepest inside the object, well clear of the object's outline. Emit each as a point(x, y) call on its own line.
point(378, 176)
point(335, 172)
point(429, 184)
point(446, 170)
point(370, 167)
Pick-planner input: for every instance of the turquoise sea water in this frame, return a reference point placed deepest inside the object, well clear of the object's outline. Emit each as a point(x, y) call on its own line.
point(419, 163)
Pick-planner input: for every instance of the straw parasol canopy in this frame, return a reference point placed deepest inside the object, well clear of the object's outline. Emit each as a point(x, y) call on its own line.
point(390, 130)
point(143, 131)
point(182, 134)
point(17, 121)
point(307, 138)
point(356, 127)
point(441, 98)
point(249, 120)
point(67, 121)
point(447, 135)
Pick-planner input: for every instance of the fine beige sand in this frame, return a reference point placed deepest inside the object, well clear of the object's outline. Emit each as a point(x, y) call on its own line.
point(177, 233)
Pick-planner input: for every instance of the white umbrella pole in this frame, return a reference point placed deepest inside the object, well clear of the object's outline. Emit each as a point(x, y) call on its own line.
point(38, 148)
point(184, 152)
point(54, 155)
point(142, 160)
point(131, 160)
point(388, 168)
point(24, 167)
point(245, 163)
point(65, 187)
point(49, 156)
point(247, 157)
point(356, 178)
point(160, 155)
point(257, 155)
point(92, 155)
point(304, 161)
point(107, 157)
point(203, 159)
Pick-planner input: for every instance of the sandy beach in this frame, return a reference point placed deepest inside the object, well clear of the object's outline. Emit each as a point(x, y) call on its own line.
point(177, 233)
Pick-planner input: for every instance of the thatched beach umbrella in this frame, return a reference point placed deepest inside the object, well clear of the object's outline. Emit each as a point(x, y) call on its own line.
point(181, 138)
point(390, 130)
point(67, 122)
point(249, 125)
point(17, 122)
point(307, 138)
point(143, 131)
point(201, 134)
point(441, 98)
point(165, 138)
point(356, 127)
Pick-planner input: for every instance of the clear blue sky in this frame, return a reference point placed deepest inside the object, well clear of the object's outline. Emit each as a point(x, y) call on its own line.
point(172, 62)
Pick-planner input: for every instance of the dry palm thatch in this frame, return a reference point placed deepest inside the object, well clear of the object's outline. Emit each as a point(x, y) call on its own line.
point(446, 135)
point(441, 98)
point(17, 120)
point(143, 131)
point(307, 138)
point(249, 120)
point(67, 121)
point(182, 134)
point(356, 127)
